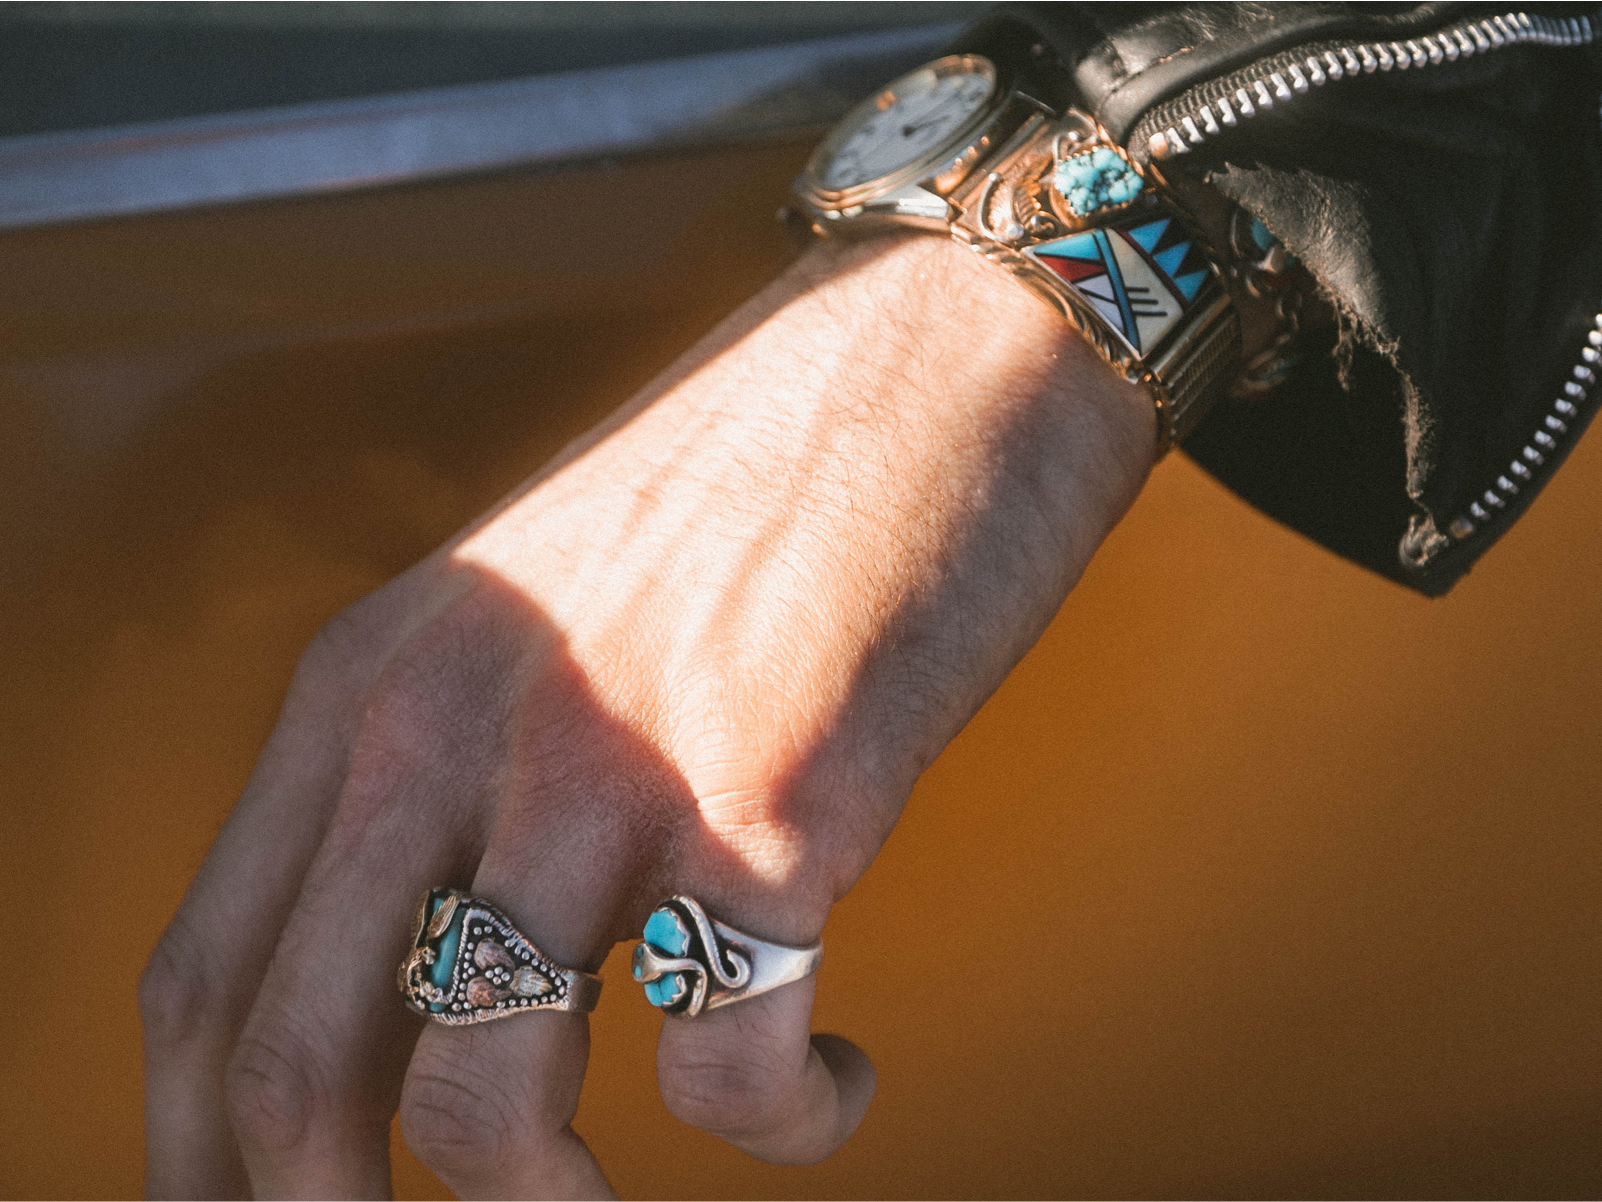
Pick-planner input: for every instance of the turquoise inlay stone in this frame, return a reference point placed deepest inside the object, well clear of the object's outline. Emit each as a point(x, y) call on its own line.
point(1150, 234)
point(665, 930)
point(1264, 239)
point(445, 950)
point(1190, 284)
point(1097, 179)
point(1075, 246)
point(664, 991)
point(1170, 259)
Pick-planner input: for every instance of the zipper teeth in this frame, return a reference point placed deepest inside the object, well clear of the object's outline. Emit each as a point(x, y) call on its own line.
point(1554, 425)
point(1283, 77)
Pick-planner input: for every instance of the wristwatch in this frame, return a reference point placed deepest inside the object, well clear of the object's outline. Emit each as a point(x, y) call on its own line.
point(952, 148)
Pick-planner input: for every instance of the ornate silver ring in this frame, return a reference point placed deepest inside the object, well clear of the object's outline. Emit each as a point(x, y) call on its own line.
point(691, 962)
point(469, 964)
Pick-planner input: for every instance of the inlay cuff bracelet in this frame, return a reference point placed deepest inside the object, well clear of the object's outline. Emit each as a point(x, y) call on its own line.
point(1050, 197)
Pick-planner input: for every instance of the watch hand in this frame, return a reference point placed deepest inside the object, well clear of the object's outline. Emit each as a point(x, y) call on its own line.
point(906, 130)
point(926, 114)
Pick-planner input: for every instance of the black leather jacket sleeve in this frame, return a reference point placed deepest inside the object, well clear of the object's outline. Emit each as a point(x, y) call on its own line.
point(1438, 168)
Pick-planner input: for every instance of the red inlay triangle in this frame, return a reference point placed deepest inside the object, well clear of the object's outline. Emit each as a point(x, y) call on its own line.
point(1073, 269)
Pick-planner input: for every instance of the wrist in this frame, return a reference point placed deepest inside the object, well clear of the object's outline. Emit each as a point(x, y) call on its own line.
point(962, 344)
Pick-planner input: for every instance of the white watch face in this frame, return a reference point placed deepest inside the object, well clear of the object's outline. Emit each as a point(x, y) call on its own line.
point(907, 121)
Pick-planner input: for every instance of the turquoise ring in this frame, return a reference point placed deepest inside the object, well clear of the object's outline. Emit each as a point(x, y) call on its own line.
point(691, 962)
point(470, 964)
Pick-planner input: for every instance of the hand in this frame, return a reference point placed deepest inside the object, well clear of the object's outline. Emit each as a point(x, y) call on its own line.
point(709, 650)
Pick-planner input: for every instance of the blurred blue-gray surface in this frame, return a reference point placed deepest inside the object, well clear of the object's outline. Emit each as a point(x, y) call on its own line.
point(118, 108)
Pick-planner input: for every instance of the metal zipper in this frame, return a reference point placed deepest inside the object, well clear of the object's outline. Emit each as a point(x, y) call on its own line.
point(1210, 109)
point(1554, 425)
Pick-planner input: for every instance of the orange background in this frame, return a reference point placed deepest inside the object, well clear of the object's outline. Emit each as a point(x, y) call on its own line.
point(1273, 879)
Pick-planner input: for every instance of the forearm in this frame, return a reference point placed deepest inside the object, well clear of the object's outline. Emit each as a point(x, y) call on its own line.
point(856, 505)
point(909, 343)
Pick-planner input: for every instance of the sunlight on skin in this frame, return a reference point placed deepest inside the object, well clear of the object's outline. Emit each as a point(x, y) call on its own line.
point(740, 619)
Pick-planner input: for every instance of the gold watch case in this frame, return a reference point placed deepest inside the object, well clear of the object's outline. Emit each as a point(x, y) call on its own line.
point(946, 155)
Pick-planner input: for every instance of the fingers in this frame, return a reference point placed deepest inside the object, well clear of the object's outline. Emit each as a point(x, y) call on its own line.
point(316, 1075)
point(198, 987)
point(489, 1108)
point(751, 1075)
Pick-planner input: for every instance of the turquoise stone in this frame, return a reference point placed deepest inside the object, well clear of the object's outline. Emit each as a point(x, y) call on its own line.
point(1095, 180)
point(445, 950)
point(1170, 259)
point(1264, 238)
point(664, 991)
point(1261, 236)
point(665, 931)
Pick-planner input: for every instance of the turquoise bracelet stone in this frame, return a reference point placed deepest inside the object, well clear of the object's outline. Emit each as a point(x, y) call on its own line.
point(1095, 180)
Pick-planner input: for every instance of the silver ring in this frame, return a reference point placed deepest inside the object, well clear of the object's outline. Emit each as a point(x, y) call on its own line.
point(469, 964)
point(691, 962)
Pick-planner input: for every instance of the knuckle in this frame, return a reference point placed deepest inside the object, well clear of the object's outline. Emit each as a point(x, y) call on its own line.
point(461, 657)
point(337, 641)
point(177, 994)
point(343, 652)
point(459, 1122)
point(269, 1092)
point(727, 1091)
point(447, 692)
